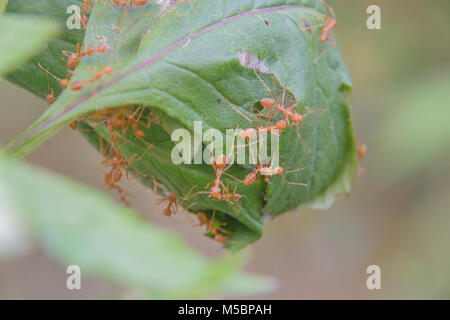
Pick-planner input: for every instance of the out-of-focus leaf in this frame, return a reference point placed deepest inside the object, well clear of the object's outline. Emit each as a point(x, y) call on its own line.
point(14, 240)
point(81, 226)
point(20, 38)
point(3, 4)
point(415, 131)
point(420, 250)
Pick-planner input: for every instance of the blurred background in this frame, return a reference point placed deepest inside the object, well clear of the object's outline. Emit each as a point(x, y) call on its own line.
point(397, 216)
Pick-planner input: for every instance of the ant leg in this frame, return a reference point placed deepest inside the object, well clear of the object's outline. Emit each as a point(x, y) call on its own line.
point(133, 158)
point(145, 152)
point(212, 220)
point(296, 170)
point(187, 196)
point(294, 183)
point(149, 119)
point(155, 189)
point(302, 141)
point(235, 109)
point(309, 28)
point(330, 8)
point(233, 177)
point(266, 86)
point(333, 44)
point(231, 153)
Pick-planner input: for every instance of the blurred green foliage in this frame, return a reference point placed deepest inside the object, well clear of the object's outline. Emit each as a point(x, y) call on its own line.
point(401, 78)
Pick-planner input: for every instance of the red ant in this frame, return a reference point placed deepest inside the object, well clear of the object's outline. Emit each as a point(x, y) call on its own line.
point(62, 82)
point(79, 85)
point(98, 75)
point(114, 120)
point(327, 27)
point(172, 206)
point(135, 122)
point(202, 218)
point(289, 113)
point(74, 58)
point(220, 166)
point(118, 164)
point(267, 171)
point(50, 97)
point(140, 2)
point(115, 174)
point(225, 195)
point(214, 228)
point(85, 11)
point(73, 125)
point(249, 133)
point(230, 197)
point(361, 149)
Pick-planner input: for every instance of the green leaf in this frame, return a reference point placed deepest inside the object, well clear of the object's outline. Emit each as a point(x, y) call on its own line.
point(21, 37)
point(81, 226)
point(184, 67)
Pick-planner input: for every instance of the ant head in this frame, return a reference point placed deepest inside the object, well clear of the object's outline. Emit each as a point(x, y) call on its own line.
point(362, 151)
point(72, 60)
point(76, 86)
point(236, 196)
point(247, 133)
point(267, 103)
point(221, 161)
point(139, 134)
point(116, 159)
point(278, 170)
point(281, 125)
point(202, 217)
point(331, 23)
point(108, 70)
point(102, 49)
point(172, 196)
point(64, 83)
point(215, 191)
point(167, 212)
point(297, 117)
point(73, 125)
point(220, 238)
point(50, 98)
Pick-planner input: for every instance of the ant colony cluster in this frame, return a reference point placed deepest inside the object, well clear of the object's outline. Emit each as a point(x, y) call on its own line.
point(275, 116)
